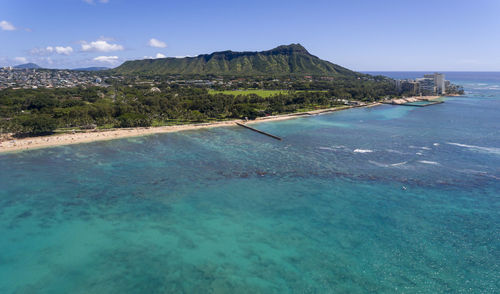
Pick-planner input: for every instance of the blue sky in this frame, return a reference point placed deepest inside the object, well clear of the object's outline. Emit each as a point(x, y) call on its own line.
point(358, 34)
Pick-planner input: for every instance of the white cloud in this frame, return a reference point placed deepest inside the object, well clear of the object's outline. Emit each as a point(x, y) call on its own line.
point(101, 46)
point(38, 51)
point(106, 59)
point(64, 50)
point(60, 50)
point(7, 26)
point(158, 55)
point(52, 50)
point(21, 59)
point(157, 43)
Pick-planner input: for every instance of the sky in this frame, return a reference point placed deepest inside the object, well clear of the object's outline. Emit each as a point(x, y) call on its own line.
point(363, 35)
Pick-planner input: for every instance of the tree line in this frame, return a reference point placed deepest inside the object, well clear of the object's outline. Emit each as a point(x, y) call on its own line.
point(41, 111)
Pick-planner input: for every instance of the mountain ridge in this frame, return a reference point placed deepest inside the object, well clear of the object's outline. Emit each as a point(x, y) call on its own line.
point(27, 66)
point(291, 59)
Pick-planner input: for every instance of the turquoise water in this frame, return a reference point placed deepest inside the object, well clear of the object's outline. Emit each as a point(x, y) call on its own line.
point(227, 210)
point(421, 103)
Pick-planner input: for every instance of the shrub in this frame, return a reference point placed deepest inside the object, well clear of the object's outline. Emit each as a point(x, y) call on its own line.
point(129, 120)
point(40, 124)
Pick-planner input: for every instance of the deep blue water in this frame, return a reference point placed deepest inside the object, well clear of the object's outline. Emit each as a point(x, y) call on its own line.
point(227, 210)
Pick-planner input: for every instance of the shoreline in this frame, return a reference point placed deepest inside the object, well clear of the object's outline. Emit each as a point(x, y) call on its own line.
point(414, 99)
point(29, 143)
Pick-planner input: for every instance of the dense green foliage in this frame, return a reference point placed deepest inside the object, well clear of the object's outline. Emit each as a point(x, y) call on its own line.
point(36, 124)
point(283, 60)
point(40, 111)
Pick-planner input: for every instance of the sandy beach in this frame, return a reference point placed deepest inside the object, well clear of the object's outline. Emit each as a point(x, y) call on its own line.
point(8, 144)
point(414, 99)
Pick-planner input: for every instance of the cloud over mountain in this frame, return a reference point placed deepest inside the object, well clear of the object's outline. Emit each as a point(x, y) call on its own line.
point(157, 43)
point(21, 59)
point(106, 59)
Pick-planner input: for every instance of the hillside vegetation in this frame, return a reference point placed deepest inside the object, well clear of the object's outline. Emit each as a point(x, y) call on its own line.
point(284, 60)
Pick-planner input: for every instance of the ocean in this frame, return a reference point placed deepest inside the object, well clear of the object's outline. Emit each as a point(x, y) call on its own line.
point(389, 199)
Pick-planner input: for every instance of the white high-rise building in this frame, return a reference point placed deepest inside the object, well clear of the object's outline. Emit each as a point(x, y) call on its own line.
point(439, 82)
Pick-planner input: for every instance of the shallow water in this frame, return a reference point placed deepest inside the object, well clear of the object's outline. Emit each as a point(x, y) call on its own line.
point(226, 210)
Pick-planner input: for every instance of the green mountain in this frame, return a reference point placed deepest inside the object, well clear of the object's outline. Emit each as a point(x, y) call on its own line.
point(27, 66)
point(284, 60)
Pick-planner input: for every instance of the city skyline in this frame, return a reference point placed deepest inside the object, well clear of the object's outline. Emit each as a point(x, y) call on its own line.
point(385, 36)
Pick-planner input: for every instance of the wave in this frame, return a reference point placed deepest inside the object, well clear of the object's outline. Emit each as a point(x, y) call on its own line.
point(493, 177)
point(362, 151)
point(326, 148)
point(378, 163)
point(387, 165)
point(436, 144)
point(483, 88)
point(333, 148)
point(429, 162)
point(491, 150)
point(417, 147)
point(493, 88)
point(394, 151)
point(472, 171)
